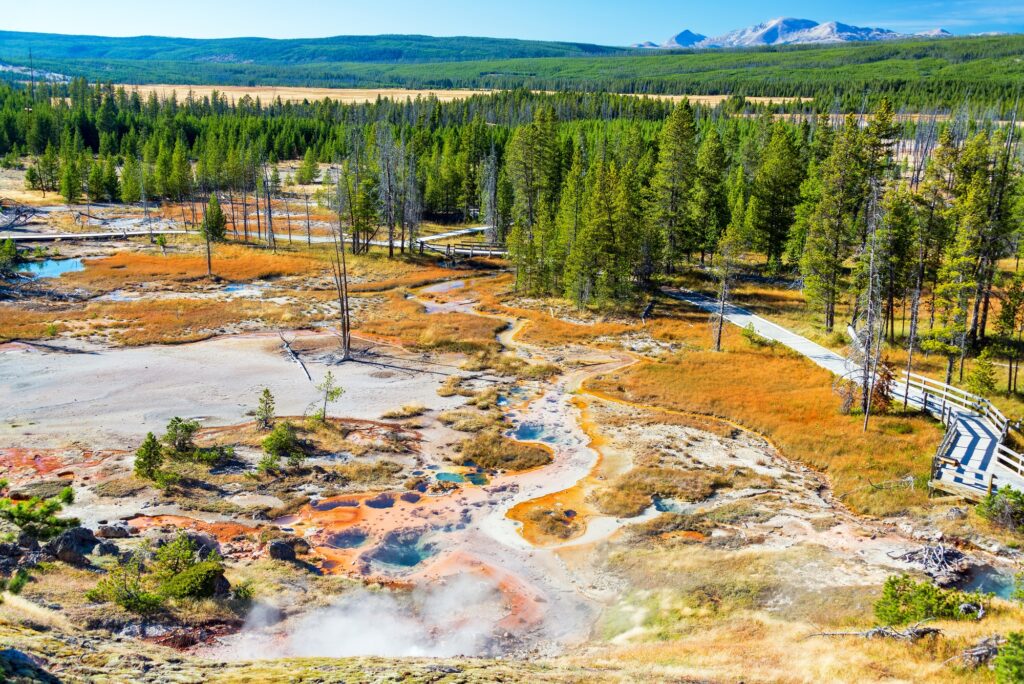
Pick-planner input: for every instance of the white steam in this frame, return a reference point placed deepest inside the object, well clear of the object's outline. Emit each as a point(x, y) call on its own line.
point(447, 619)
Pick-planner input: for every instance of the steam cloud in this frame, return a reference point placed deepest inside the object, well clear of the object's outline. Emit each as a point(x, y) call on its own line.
point(442, 620)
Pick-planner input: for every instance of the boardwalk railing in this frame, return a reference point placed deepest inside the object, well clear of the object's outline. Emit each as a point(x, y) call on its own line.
point(949, 403)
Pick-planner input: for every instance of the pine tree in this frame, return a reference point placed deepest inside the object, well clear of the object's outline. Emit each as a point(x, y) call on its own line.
point(149, 458)
point(96, 185)
point(131, 177)
point(70, 181)
point(214, 221)
point(982, 379)
point(309, 170)
point(265, 410)
point(710, 203)
point(956, 279)
point(674, 180)
point(774, 194)
point(180, 179)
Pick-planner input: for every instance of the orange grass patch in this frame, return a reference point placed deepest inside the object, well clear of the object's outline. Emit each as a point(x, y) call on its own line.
point(230, 262)
point(790, 401)
point(144, 322)
point(405, 322)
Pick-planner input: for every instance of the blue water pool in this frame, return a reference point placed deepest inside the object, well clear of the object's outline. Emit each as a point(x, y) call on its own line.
point(348, 539)
point(532, 432)
point(989, 580)
point(52, 268)
point(450, 477)
point(402, 549)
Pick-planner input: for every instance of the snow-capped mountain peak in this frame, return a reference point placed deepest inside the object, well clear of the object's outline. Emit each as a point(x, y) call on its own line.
point(788, 31)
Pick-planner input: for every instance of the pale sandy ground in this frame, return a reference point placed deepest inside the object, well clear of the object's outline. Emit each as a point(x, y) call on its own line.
point(359, 95)
point(111, 397)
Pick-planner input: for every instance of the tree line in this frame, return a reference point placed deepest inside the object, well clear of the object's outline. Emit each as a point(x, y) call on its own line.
point(597, 196)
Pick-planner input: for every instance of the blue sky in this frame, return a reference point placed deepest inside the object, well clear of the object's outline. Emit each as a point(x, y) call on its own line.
point(608, 22)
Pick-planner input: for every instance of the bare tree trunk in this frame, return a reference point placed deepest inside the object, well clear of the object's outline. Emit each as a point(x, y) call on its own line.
point(245, 214)
point(288, 218)
point(309, 238)
point(234, 223)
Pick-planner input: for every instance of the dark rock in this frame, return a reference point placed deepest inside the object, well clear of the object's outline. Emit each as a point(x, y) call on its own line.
point(72, 545)
point(107, 548)
point(112, 532)
point(221, 586)
point(23, 668)
point(9, 550)
point(300, 545)
point(281, 550)
point(28, 542)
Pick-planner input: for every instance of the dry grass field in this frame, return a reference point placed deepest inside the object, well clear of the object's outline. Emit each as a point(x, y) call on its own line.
point(360, 95)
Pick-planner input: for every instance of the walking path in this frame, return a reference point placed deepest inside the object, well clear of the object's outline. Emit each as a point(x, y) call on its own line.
point(971, 459)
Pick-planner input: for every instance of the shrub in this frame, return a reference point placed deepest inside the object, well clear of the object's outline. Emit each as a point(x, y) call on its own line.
point(37, 516)
point(175, 557)
point(18, 582)
point(903, 600)
point(197, 581)
point(8, 258)
point(268, 464)
point(1009, 664)
point(1005, 507)
point(755, 339)
point(243, 592)
point(283, 443)
point(180, 435)
point(123, 586)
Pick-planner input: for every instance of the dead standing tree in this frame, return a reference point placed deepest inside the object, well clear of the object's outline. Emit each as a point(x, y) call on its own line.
point(339, 268)
point(868, 329)
point(387, 187)
point(268, 215)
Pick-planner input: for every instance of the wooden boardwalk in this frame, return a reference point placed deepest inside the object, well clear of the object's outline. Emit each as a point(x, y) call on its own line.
point(972, 459)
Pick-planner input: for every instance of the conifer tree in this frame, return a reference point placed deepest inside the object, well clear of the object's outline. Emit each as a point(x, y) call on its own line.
point(674, 180)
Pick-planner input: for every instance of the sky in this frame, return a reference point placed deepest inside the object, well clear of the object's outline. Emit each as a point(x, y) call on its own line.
point(607, 22)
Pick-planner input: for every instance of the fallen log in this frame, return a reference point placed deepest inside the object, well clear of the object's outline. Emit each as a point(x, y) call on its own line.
point(911, 634)
point(981, 653)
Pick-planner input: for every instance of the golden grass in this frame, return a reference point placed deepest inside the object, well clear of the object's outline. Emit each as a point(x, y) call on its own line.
point(230, 262)
point(406, 411)
point(268, 94)
point(405, 322)
point(170, 321)
point(790, 401)
point(493, 451)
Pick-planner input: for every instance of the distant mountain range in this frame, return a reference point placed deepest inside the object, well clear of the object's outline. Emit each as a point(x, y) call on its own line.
point(786, 31)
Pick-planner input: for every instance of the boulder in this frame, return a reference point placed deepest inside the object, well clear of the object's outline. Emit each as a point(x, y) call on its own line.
point(72, 545)
point(113, 532)
point(281, 550)
point(107, 548)
point(28, 542)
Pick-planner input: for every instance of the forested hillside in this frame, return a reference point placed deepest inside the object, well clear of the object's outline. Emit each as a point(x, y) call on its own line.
point(385, 48)
point(921, 74)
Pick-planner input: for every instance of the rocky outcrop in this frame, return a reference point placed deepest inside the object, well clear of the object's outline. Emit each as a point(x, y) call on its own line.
point(281, 550)
point(73, 545)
